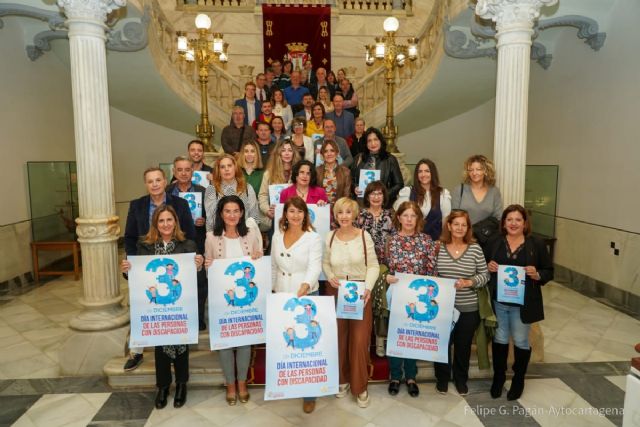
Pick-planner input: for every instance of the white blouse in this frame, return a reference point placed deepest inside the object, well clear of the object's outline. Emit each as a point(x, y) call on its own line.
point(445, 201)
point(301, 263)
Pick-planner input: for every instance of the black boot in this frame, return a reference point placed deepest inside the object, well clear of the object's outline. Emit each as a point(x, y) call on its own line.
point(181, 395)
point(520, 364)
point(499, 355)
point(161, 397)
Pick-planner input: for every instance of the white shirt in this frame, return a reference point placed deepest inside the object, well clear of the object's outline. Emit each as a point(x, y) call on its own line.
point(301, 263)
point(251, 111)
point(445, 201)
point(233, 248)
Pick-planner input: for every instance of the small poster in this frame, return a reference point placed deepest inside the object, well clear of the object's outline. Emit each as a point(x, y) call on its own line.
point(238, 289)
point(320, 218)
point(367, 176)
point(163, 298)
point(511, 281)
point(302, 347)
point(350, 300)
point(274, 192)
point(421, 317)
point(194, 199)
point(200, 178)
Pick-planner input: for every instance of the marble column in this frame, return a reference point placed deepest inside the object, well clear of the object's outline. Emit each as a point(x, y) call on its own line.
point(97, 226)
point(514, 26)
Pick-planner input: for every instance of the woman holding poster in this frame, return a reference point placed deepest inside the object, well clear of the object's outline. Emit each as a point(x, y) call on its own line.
point(349, 254)
point(462, 259)
point(231, 238)
point(378, 222)
point(228, 179)
point(334, 178)
point(305, 185)
point(278, 171)
point(408, 251)
point(516, 247)
point(376, 157)
point(165, 237)
point(297, 259)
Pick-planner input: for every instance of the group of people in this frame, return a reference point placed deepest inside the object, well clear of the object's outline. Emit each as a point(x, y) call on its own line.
point(376, 232)
point(302, 129)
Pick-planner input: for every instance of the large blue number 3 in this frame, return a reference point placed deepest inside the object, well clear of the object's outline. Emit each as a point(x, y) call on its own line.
point(168, 289)
point(245, 282)
point(371, 176)
point(306, 318)
point(512, 280)
point(352, 292)
point(427, 298)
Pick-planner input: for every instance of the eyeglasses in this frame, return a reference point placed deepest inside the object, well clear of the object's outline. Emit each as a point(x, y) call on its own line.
point(376, 193)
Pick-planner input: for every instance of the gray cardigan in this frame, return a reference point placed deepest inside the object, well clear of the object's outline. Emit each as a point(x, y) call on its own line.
point(490, 205)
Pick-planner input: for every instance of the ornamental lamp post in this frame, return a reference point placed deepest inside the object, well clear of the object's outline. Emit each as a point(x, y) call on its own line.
point(392, 56)
point(205, 50)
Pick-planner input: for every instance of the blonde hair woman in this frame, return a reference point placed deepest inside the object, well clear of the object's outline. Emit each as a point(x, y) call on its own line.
point(478, 194)
point(349, 253)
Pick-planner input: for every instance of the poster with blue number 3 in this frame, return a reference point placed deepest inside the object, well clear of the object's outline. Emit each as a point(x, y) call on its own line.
point(511, 284)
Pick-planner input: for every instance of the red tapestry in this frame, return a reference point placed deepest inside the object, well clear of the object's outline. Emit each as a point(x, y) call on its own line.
point(297, 33)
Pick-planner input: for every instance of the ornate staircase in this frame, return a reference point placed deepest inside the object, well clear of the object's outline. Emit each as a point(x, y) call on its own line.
point(354, 24)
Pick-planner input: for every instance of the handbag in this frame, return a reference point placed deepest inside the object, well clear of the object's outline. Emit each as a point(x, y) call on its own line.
point(485, 229)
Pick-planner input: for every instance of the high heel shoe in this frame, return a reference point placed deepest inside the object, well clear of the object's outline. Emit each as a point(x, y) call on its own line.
point(232, 399)
point(244, 398)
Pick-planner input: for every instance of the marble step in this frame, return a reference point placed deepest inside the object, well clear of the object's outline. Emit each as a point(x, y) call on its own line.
point(204, 369)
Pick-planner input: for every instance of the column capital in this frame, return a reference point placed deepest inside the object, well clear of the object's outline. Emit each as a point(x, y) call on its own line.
point(511, 12)
point(90, 9)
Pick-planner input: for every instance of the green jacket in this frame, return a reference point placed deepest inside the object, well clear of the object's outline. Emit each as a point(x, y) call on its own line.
point(486, 329)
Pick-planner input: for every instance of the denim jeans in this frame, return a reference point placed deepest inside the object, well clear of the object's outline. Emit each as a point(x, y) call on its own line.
point(510, 325)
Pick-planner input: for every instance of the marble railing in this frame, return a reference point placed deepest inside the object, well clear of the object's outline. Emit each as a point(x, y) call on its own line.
point(224, 87)
point(414, 77)
point(344, 6)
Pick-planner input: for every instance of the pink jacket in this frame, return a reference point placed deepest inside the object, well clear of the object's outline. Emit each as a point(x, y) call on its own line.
point(314, 195)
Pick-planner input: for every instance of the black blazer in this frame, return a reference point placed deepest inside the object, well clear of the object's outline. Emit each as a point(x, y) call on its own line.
point(537, 255)
point(138, 220)
point(201, 231)
point(390, 174)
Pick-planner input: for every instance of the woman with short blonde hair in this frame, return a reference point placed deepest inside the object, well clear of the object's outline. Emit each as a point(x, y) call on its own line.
point(349, 254)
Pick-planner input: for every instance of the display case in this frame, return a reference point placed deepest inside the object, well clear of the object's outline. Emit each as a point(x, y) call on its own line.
point(53, 197)
point(540, 198)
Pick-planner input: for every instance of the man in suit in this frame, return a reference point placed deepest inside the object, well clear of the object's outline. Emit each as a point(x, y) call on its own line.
point(138, 221)
point(249, 103)
point(183, 171)
point(263, 91)
point(307, 104)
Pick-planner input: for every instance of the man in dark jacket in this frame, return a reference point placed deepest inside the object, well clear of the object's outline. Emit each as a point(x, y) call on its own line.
point(138, 220)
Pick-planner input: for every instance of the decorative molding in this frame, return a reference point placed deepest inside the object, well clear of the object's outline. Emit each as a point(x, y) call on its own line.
point(512, 12)
point(55, 20)
point(95, 10)
point(458, 45)
point(41, 43)
point(587, 28)
point(131, 37)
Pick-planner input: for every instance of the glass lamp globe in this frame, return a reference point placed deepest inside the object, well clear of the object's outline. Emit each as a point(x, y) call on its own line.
point(203, 22)
point(391, 24)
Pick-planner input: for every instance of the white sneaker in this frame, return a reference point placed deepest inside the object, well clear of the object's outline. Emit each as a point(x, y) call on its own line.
point(380, 346)
point(343, 390)
point(363, 399)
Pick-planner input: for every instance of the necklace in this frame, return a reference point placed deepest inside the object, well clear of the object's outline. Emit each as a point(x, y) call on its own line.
point(302, 195)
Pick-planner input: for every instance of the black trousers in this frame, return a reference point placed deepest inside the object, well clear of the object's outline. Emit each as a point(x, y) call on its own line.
point(203, 293)
point(163, 368)
point(461, 338)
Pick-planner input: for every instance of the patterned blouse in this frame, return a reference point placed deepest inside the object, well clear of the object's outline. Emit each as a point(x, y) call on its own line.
point(211, 198)
point(330, 183)
point(412, 254)
point(380, 230)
